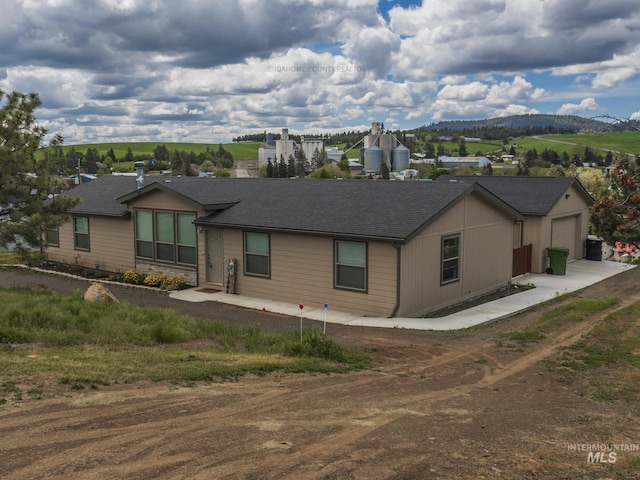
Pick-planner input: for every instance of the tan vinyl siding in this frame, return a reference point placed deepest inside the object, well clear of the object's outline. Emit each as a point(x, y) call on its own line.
point(302, 272)
point(111, 245)
point(486, 239)
point(574, 206)
point(565, 233)
point(532, 234)
point(159, 200)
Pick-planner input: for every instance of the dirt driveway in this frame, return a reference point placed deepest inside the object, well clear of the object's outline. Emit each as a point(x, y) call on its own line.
point(434, 405)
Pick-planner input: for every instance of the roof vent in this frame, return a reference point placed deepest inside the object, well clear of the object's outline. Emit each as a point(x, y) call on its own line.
point(139, 166)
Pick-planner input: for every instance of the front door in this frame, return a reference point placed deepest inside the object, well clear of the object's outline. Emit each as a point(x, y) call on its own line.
point(214, 256)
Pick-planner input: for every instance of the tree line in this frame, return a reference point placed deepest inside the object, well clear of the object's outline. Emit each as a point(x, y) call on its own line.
point(180, 162)
point(30, 204)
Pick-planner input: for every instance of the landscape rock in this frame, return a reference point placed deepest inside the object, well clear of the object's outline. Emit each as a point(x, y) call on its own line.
point(99, 293)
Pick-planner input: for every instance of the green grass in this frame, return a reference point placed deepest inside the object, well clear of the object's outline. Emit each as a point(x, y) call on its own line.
point(568, 313)
point(47, 339)
point(9, 258)
point(485, 147)
point(240, 151)
point(625, 142)
point(607, 358)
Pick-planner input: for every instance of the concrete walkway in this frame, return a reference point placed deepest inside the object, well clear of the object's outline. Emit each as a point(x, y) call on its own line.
point(579, 274)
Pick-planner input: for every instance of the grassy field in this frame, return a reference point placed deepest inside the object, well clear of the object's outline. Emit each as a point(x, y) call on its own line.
point(606, 361)
point(48, 342)
point(240, 151)
point(624, 142)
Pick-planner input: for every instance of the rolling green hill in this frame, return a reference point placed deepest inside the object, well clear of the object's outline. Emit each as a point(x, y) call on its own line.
point(623, 142)
point(240, 151)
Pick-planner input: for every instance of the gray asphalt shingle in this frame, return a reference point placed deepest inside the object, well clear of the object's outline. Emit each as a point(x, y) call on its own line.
point(528, 195)
point(359, 208)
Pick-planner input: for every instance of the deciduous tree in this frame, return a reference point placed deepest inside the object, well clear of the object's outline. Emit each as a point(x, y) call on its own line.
point(616, 217)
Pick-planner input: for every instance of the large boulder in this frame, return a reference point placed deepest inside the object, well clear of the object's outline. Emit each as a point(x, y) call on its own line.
point(99, 293)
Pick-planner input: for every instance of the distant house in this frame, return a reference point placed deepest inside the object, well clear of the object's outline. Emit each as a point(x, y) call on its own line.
point(371, 248)
point(334, 155)
point(82, 178)
point(556, 211)
point(456, 162)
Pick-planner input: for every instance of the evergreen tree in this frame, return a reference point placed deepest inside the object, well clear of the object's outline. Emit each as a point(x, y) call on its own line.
point(318, 159)
point(160, 153)
point(282, 169)
point(24, 182)
point(269, 169)
point(302, 166)
point(530, 157)
point(462, 148)
point(91, 160)
point(129, 155)
point(112, 155)
point(291, 167)
point(180, 164)
point(384, 171)
point(609, 158)
point(73, 163)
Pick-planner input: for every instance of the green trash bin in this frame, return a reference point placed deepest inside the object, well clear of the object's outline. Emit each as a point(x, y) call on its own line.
point(557, 260)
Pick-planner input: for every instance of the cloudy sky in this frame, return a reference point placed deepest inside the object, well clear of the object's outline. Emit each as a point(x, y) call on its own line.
point(210, 70)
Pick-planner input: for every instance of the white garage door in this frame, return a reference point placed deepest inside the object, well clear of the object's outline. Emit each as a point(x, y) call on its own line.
point(564, 233)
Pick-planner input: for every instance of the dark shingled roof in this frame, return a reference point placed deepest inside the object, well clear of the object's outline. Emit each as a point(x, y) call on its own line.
point(392, 211)
point(528, 195)
point(99, 197)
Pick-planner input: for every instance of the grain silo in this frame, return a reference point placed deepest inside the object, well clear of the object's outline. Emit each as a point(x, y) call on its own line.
point(400, 158)
point(387, 142)
point(372, 159)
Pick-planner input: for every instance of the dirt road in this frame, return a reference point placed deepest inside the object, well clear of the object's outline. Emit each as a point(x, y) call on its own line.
point(433, 405)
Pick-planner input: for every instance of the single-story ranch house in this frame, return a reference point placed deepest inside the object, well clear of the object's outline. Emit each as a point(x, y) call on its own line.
point(371, 248)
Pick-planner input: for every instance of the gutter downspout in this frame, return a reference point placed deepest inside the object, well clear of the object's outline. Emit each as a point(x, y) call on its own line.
point(398, 247)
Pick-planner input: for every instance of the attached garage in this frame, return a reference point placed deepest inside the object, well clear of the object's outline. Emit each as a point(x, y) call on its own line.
point(556, 211)
point(565, 232)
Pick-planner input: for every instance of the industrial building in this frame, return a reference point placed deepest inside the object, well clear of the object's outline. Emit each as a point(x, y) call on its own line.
point(381, 146)
point(285, 147)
